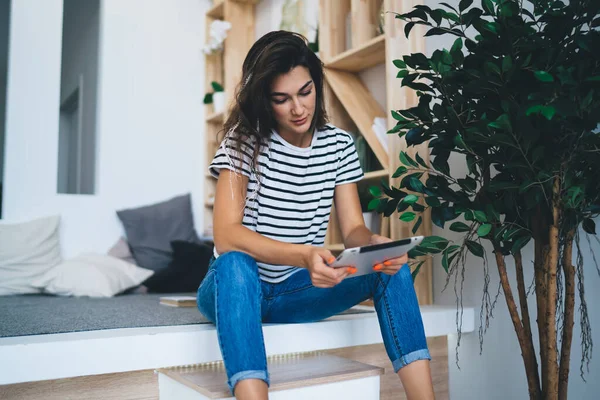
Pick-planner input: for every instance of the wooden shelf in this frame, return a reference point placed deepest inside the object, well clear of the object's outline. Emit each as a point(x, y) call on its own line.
point(354, 60)
point(209, 204)
point(361, 106)
point(217, 11)
point(335, 247)
point(369, 176)
point(215, 118)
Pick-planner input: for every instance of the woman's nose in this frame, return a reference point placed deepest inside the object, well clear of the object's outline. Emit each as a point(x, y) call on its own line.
point(296, 106)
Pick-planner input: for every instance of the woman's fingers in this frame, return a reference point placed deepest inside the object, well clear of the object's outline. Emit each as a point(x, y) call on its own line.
point(392, 266)
point(329, 277)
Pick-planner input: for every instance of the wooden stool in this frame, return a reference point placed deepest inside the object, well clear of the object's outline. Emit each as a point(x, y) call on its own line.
point(314, 376)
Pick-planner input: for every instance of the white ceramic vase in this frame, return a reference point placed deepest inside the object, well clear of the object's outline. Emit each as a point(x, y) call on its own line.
point(219, 102)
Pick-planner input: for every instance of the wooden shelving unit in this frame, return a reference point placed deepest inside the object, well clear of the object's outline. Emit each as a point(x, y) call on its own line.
point(224, 67)
point(351, 106)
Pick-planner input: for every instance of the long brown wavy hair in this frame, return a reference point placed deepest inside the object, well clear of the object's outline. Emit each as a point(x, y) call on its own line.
point(251, 119)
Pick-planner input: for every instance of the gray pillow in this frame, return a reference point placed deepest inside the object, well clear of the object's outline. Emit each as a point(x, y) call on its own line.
point(151, 229)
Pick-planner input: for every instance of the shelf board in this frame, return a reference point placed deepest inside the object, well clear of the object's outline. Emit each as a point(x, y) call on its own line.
point(375, 175)
point(335, 247)
point(209, 204)
point(217, 11)
point(360, 106)
point(354, 60)
point(215, 118)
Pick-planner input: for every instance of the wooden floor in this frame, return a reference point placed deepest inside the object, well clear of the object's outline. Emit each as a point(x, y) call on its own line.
point(143, 385)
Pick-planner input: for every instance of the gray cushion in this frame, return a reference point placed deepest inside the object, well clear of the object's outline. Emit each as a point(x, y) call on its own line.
point(151, 229)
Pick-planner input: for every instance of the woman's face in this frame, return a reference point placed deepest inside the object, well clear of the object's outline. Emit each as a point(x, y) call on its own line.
point(293, 98)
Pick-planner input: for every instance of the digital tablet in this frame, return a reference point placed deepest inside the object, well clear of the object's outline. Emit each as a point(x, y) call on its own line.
point(364, 258)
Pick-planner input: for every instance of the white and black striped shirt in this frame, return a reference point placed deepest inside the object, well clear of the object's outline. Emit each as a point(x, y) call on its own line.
point(296, 188)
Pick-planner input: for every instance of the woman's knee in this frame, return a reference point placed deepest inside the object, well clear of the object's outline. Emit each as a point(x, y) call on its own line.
point(236, 269)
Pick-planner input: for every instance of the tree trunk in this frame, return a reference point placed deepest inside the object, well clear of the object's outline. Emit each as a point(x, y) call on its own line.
point(550, 387)
point(531, 365)
point(540, 234)
point(526, 346)
point(567, 332)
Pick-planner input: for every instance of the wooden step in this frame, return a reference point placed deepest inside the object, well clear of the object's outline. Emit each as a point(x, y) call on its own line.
point(288, 373)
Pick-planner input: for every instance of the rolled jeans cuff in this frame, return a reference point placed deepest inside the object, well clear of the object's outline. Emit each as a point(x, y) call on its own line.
point(258, 374)
point(411, 357)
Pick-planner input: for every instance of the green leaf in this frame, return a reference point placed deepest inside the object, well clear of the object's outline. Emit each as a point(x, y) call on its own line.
point(421, 161)
point(399, 63)
point(589, 226)
point(519, 244)
point(375, 191)
point(480, 216)
point(475, 248)
point(397, 116)
point(208, 98)
point(457, 46)
point(416, 270)
point(488, 7)
point(408, 27)
point(543, 76)
point(432, 201)
point(506, 64)
point(484, 230)
point(402, 73)
point(410, 199)
point(407, 216)
point(216, 86)
point(464, 4)
point(417, 225)
point(593, 79)
point(459, 227)
point(548, 112)
point(490, 66)
point(400, 171)
point(406, 160)
point(373, 204)
point(534, 109)
point(434, 244)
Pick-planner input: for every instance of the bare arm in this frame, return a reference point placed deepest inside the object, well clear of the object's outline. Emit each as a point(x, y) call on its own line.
point(352, 224)
point(231, 235)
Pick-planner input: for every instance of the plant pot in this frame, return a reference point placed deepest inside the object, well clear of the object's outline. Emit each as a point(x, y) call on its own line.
point(219, 102)
point(372, 221)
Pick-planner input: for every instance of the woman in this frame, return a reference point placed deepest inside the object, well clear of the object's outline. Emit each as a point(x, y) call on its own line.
point(280, 167)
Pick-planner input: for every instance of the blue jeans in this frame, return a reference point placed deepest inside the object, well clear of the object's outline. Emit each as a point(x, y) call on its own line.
point(233, 297)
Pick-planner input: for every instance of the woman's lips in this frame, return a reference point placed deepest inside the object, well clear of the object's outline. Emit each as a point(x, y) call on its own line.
point(299, 121)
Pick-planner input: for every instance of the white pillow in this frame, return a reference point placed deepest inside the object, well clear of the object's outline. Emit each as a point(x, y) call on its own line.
point(93, 275)
point(27, 251)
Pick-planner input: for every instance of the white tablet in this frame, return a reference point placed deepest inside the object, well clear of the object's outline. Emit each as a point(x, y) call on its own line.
point(364, 258)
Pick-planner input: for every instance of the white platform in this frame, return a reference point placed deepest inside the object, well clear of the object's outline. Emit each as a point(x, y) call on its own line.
point(41, 357)
point(356, 389)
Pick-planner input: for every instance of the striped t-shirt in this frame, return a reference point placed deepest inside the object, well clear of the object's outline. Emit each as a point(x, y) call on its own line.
point(295, 193)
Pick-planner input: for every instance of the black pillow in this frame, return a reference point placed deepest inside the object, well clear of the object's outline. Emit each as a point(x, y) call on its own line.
point(185, 272)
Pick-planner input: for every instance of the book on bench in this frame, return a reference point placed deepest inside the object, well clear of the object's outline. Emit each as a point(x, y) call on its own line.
point(178, 301)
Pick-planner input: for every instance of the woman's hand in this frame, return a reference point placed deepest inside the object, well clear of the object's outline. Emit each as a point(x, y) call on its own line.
point(392, 266)
point(321, 275)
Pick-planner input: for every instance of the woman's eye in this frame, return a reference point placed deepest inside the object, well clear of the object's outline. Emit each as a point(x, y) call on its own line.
point(306, 93)
point(279, 101)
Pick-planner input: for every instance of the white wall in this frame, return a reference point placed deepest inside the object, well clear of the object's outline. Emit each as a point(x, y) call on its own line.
point(150, 115)
point(498, 373)
point(81, 28)
point(4, 19)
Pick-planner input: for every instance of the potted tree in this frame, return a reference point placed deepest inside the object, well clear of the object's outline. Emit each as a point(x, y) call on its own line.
point(516, 100)
point(217, 97)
